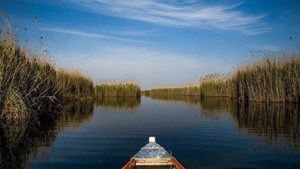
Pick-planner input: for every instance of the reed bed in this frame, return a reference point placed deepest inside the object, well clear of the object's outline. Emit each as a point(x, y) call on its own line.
point(212, 85)
point(272, 79)
point(30, 85)
point(118, 89)
point(145, 93)
point(269, 80)
point(27, 84)
point(189, 90)
point(215, 85)
point(73, 85)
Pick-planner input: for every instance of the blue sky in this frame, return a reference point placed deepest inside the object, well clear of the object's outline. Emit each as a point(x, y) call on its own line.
point(156, 42)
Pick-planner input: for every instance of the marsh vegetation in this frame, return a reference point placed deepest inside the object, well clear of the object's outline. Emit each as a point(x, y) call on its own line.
point(115, 88)
point(74, 85)
point(30, 85)
point(269, 80)
point(272, 79)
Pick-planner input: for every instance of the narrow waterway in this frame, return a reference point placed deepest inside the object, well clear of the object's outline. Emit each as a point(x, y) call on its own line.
point(212, 133)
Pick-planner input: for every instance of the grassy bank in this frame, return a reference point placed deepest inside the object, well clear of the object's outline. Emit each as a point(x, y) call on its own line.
point(118, 89)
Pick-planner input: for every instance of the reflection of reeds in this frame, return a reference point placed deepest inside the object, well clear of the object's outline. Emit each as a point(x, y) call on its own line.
point(118, 89)
point(273, 120)
point(192, 100)
point(128, 103)
point(215, 108)
point(75, 113)
point(20, 139)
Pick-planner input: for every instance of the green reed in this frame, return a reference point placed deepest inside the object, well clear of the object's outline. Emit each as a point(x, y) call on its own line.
point(118, 89)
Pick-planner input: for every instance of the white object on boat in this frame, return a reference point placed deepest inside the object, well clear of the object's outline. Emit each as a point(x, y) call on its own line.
point(151, 139)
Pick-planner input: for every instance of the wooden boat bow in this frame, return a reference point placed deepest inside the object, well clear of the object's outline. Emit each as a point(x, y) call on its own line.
point(153, 156)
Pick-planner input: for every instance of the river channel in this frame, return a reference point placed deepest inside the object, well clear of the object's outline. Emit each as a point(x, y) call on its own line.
point(213, 133)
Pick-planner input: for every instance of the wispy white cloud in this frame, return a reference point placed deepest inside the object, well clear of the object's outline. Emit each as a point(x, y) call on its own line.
point(134, 33)
point(91, 35)
point(179, 14)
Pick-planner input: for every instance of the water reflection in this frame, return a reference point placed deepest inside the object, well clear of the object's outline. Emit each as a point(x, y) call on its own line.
point(200, 136)
point(20, 140)
point(277, 123)
point(76, 113)
point(191, 100)
point(216, 107)
point(118, 103)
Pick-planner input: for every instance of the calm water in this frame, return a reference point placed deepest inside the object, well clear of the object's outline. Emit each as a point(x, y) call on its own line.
point(212, 133)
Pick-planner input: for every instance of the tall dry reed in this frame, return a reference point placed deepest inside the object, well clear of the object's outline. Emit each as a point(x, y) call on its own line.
point(215, 85)
point(118, 89)
point(189, 90)
point(269, 80)
point(30, 86)
point(73, 85)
